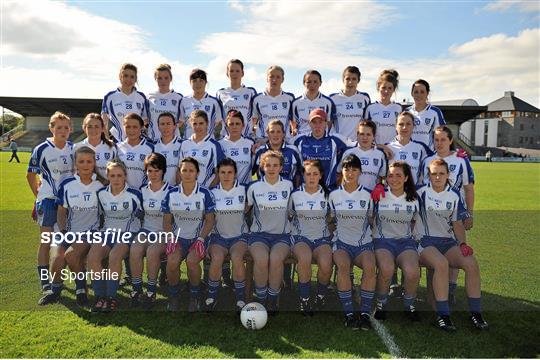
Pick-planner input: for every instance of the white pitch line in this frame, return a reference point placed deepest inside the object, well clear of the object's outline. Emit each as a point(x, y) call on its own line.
point(386, 338)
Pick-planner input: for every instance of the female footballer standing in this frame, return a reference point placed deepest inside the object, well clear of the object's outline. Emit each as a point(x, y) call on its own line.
point(291, 169)
point(273, 103)
point(53, 161)
point(155, 166)
point(269, 239)
point(237, 147)
point(426, 116)
point(77, 213)
point(443, 244)
point(404, 148)
point(93, 126)
point(350, 105)
point(203, 148)
point(169, 146)
point(351, 207)
point(309, 211)
point(134, 150)
point(237, 96)
point(311, 99)
point(200, 100)
point(384, 111)
point(163, 100)
point(123, 100)
point(188, 211)
point(121, 207)
point(395, 216)
point(229, 234)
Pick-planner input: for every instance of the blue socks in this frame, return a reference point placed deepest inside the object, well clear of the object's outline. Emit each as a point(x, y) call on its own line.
point(194, 291)
point(443, 309)
point(213, 287)
point(346, 301)
point(408, 301)
point(100, 288)
point(322, 289)
point(240, 290)
point(273, 294)
point(137, 283)
point(366, 298)
point(261, 292)
point(304, 289)
point(174, 290)
point(151, 286)
point(452, 288)
point(475, 305)
point(112, 287)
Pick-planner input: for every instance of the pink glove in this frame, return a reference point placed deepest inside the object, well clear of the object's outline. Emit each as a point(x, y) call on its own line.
point(171, 247)
point(466, 250)
point(462, 154)
point(34, 212)
point(198, 245)
point(377, 192)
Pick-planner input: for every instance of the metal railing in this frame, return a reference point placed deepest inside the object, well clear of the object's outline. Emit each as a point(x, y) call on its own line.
point(465, 139)
point(11, 132)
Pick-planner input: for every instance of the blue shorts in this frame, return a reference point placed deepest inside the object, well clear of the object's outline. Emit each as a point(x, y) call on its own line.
point(442, 244)
point(395, 246)
point(313, 244)
point(114, 239)
point(269, 239)
point(227, 243)
point(46, 210)
point(352, 250)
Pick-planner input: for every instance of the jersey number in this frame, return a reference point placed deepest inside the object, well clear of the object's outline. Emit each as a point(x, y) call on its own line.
point(272, 197)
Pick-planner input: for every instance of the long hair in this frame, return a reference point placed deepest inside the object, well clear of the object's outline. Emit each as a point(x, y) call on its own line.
point(97, 116)
point(409, 187)
point(319, 166)
point(89, 151)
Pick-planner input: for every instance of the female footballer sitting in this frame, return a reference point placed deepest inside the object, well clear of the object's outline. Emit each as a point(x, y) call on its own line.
point(351, 207)
point(443, 244)
point(121, 207)
point(189, 211)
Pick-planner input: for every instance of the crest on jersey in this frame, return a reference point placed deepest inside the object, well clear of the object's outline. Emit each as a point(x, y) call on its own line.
point(284, 104)
point(241, 198)
point(246, 150)
point(284, 194)
point(246, 96)
point(409, 209)
point(176, 152)
point(198, 205)
point(126, 204)
point(207, 108)
point(376, 162)
point(452, 167)
point(107, 156)
point(427, 120)
point(323, 204)
point(204, 152)
point(363, 203)
point(449, 205)
point(359, 104)
point(415, 155)
point(141, 156)
point(139, 106)
point(174, 102)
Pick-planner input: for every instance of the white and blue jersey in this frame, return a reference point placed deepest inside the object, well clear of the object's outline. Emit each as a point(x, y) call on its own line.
point(270, 205)
point(413, 153)
point(116, 105)
point(292, 162)
point(104, 154)
point(267, 108)
point(53, 165)
point(188, 210)
point(309, 213)
point(151, 203)
point(350, 110)
point(352, 211)
point(394, 216)
point(461, 172)
point(425, 122)
point(240, 152)
point(230, 207)
point(384, 116)
point(81, 202)
point(239, 100)
point(122, 211)
point(374, 165)
point(328, 150)
point(159, 103)
point(209, 104)
point(302, 106)
point(133, 157)
point(208, 154)
point(172, 153)
point(438, 211)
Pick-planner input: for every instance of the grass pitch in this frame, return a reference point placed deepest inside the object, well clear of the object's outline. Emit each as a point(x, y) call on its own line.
point(505, 238)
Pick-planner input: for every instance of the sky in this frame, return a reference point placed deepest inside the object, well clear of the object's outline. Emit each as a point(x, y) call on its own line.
point(464, 49)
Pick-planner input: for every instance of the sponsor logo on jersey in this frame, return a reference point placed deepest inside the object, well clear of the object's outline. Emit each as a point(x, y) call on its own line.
point(449, 205)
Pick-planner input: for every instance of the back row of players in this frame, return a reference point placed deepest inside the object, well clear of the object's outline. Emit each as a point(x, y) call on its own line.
point(207, 219)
